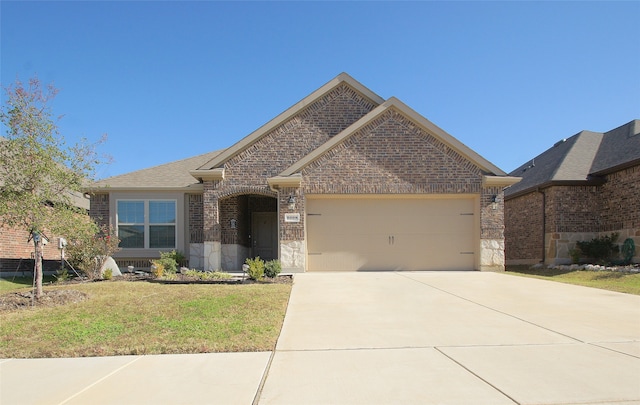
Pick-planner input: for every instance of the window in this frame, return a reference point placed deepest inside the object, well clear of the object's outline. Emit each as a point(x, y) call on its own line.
point(147, 224)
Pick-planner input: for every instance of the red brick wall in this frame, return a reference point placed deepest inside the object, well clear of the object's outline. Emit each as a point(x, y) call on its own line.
point(99, 209)
point(523, 233)
point(295, 138)
point(573, 208)
point(392, 155)
point(620, 200)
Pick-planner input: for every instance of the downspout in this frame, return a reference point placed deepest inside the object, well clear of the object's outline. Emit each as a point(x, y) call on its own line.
point(544, 224)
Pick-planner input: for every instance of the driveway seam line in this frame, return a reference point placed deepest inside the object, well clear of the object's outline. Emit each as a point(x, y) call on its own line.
point(477, 376)
point(490, 308)
point(98, 381)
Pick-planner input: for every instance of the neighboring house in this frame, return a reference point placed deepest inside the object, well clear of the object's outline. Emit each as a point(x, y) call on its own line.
point(342, 180)
point(583, 187)
point(17, 248)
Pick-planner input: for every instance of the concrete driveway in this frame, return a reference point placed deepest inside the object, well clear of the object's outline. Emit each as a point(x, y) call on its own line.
point(454, 338)
point(385, 338)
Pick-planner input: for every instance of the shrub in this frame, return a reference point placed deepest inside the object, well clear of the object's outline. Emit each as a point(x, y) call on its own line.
point(628, 251)
point(62, 274)
point(168, 261)
point(272, 268)
point(108, 273)
point(600, 249)
point(256, 268)
point(157, 269)
point(87, 252)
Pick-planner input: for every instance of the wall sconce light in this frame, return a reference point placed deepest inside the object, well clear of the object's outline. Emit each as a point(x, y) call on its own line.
point(292, 202)
point(233, 223)
point(494, 202)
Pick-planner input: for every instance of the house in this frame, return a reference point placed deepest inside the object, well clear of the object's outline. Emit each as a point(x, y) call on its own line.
point(17, 247)
point(342, 180)
point(583, 187)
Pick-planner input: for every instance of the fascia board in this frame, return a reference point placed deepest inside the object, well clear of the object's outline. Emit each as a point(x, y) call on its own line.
point(191, 188)
point(288, 114)
point(426, 125)
point(500, 181)
point(278, 182)
point(211, 175)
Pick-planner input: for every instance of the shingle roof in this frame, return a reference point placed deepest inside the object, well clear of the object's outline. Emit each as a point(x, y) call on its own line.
point(619, 147)
point(580, 158)
point(174, 175)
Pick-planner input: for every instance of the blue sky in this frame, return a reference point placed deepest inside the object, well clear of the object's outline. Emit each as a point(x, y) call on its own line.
point(171, 80)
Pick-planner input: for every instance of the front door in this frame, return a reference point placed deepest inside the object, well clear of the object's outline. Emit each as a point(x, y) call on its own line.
point(264, 235)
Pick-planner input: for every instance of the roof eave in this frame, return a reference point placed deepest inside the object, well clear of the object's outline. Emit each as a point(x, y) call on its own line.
point(593, 181)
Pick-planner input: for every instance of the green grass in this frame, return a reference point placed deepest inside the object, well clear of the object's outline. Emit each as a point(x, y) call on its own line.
point(606, 280)
point(8, 284)
point(122, 318)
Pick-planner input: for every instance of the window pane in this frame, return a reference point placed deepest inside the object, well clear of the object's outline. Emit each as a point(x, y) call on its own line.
point(131, 236)
point(162, 236)
point(131, 212)
point(162, 212)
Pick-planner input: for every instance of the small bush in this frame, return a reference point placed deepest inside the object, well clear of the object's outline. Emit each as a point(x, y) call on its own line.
point(601, 249)
point(108, 274)
point(272, 268)
point(168, 261)
point(628, 251)
point(256, 268)
point(157, 269)
point(62, 275)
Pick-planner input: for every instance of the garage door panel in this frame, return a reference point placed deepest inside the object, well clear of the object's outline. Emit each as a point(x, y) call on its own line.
point(391, 234)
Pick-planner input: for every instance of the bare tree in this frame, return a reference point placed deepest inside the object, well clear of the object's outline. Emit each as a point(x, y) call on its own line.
point(39, 174)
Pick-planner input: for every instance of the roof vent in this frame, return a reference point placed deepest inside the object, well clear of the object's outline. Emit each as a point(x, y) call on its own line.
point(560, 142)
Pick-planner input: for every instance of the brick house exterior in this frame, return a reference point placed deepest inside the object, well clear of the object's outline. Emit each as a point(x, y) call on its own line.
point(583, 187)
point(340, 144)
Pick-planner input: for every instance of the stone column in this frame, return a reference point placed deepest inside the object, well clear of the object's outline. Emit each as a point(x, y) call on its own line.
point(291, 235)
point(212, 237)
point(492, 229)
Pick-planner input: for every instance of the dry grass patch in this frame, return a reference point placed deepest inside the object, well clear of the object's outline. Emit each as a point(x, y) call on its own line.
point(606, 280)
point(121, 318)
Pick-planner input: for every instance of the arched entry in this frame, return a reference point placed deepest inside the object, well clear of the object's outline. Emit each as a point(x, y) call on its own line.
point(249, 228)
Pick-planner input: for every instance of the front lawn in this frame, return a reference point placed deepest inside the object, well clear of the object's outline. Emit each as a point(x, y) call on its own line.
point(124, 317)
point(606, 280)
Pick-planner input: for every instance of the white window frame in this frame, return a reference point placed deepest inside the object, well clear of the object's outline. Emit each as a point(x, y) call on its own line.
point(147, 224)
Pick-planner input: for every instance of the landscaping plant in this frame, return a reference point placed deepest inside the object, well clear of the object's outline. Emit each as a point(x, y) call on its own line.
point(272, 268)
point(602, 249)
point(256, 268)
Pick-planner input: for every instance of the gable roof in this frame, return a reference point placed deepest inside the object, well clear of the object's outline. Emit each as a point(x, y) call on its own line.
point(580, 159)
point(342, 78)
point(168, 176)
point(426, 125)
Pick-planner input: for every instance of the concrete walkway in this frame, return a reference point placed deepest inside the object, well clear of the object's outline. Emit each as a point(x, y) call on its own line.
point(385, 338)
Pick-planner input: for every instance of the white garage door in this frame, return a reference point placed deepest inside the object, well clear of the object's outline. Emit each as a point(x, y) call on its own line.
point(349, 234)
